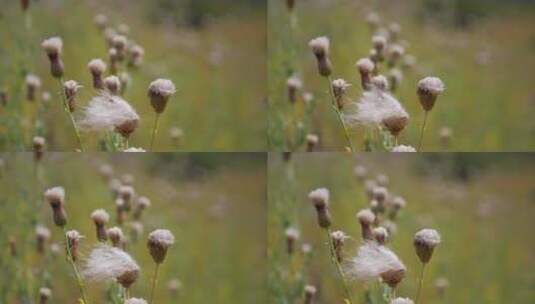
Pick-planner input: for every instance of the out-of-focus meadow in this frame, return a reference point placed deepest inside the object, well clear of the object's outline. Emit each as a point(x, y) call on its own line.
point(484, 51)
point(481, 204)
point(214, 204)
point(213, 51)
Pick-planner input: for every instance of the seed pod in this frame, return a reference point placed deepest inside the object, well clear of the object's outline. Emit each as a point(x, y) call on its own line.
point(53, 48)
point(338, 238)
point(44, 295)
point(56, 198)
point(380, 235)
point(112, 84)
point(320, 48)
point(366, 68)
point(425, 242)
point(33, 84)
point(312, 142)
point(127, 128)
point(310, 293)
point(97, 67)
point(393, 277)
point(136, 53)
point(292, 235)
point(142, 204)
point(73, 241)
point(429, 89)
point(158, 242)
point(116, 236)
point(42, 235)
point(294, 84)
point(38, 147)
point(339, 89)
point(366, 219)
point(71, 87)
point(159, 92)
point(395, 124)
point(100, 217)
point(320, 200)
point(128, 278)
point(119, 44)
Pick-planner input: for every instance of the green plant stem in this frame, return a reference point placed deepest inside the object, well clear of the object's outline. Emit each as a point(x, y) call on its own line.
point(154, 131)
point(420, 284)
point(339, 114)
point(422, 132)
point(66, 108)
point(338, 266)
point(74, 268)
point(154, 279)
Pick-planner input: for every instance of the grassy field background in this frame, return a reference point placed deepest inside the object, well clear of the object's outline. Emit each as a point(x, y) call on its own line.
point(213, 204)
point(484, 51)
point(217, 63)
point(482, 205)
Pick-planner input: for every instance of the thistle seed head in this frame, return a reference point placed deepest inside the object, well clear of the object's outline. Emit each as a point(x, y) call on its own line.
point(310, 293)
point(33, 84)
point(312, 142)
point(108, 263)
point(401, 301)
point(38, 147)
point(160, 90)
point(294, 84)
point(380, 234)
point(116, 236)
point(429, 89)
point(380, 83)
point(73, 241)
point(158, 242)
point(53, 48)
point(101, 21)
point(425, 242)
point(56, 198)
point(403, 148)
point(292, 235)
point(112, 84)
point(44, 295)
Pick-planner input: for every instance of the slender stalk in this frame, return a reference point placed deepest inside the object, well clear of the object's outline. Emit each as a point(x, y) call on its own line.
point(154, 279)
point(420, 284)
point(66, 108)
point(74, 268)
point(154, 131)
point(339, 114)
point(422, 131)
point(338, 267)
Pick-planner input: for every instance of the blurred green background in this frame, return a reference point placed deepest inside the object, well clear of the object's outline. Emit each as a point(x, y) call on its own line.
point(482, 204)
point(483, 50)
point(214, 52)
point(214, 204)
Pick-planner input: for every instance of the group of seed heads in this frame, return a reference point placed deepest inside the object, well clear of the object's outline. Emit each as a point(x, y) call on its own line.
point(374, 261)
point(106, 261)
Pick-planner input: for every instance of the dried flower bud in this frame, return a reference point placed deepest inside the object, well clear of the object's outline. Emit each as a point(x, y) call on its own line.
point(42, 235)
point(97, 67)
point(395, 52)
point(116, 236)
point(393, 30)
point(428, 90)
point(320, 200)
point(44, 295)
point(338, 238)
point(339, 89)
point(158, 242)
point(294, 84)
point(141, 204)
point(101, 21)
point(395, 124)
point(53, 48)
point(310, 293)
point(445, 136)
point(114, 60)
point(71, 87)
point(380, 234)
point(33, 84)
point(312, 142)
point(393, 277)
point(127, 193)
point(100, 217)
point(373, 20)
point(366, 219)
point(136, 53)
point(380, 83)
point(159, 92)
point(366, 68)
point(320, 48)
point(136, 229)
point(113, 84)
point(38, 147)
point(292, 235)
point(73, 241)
point(56, 198)
point(425, 242)
point(119, 44)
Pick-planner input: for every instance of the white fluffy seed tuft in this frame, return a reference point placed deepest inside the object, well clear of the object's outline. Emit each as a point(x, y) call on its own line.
point(319, 196)
point(55, 194)
point(371, 261)
point(53, 45)
point(365, 65)
point(96, 66)
point(106, 112)
point(366, 217)
point(430, 237)
point(403, 148)
point(100, 216)
point(319, 45)
point(162, 87)
point(432, 85)
point(107, 263)
point(162, 236)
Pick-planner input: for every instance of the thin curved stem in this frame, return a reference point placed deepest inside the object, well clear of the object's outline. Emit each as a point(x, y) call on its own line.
point(420, 284)
point(338, 267)
point(154, 130)
point(154, 279)
point(74, 268)
point(66, 109)
point(339, 114)
point(422, 131)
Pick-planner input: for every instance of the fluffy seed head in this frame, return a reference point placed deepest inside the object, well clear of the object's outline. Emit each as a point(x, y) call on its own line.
point(366, 217)
point(319, 197)
point(44, 295)
point(360, 171)
point(135, 301)
point(115, 234)
point(42, 232)
point(312, 142)
point(379, 42)
point(119, 42)
point(96, 66)
point(320, 46)
point(425, 242)
point(374, 261)
point(107, 112)
point(33, 81)
point(293, 84)
point(380, 194)
point(158, 242)
point(159, 92)
point(55, 196)
point(380, 234)
point(402, 301)
point(107, 263)
point(310, 292)
point(101, 21)
point(380, 83)
point(429, 89)
point(403, 148)
point(339, 89)
point(100, 217)
point(365, 66)
point(113, 84)
point(292, 233)
point(53, 46)
point(373, 20)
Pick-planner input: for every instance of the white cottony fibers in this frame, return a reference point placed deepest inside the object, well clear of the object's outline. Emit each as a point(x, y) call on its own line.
point(134, 149)
point(72, 86)
point(366, 216)
point(292, 233)
point(380, 83)
point(33, 81)
point(371, 261)
point(53, 45)
point(365, 65)
point(430, 237)
point(162, 87)
point(106, 112)
point(319, 196)
point(55, 194)
point(432, 85)
point(96, 66)
point(403, 148)
point(373, 109)
point(294, 82)
point(100, 216)
point(107, 263)
point(162, 236)
point(135, 301)
point(42, 232)
point(402, 301)
point(320, 45)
